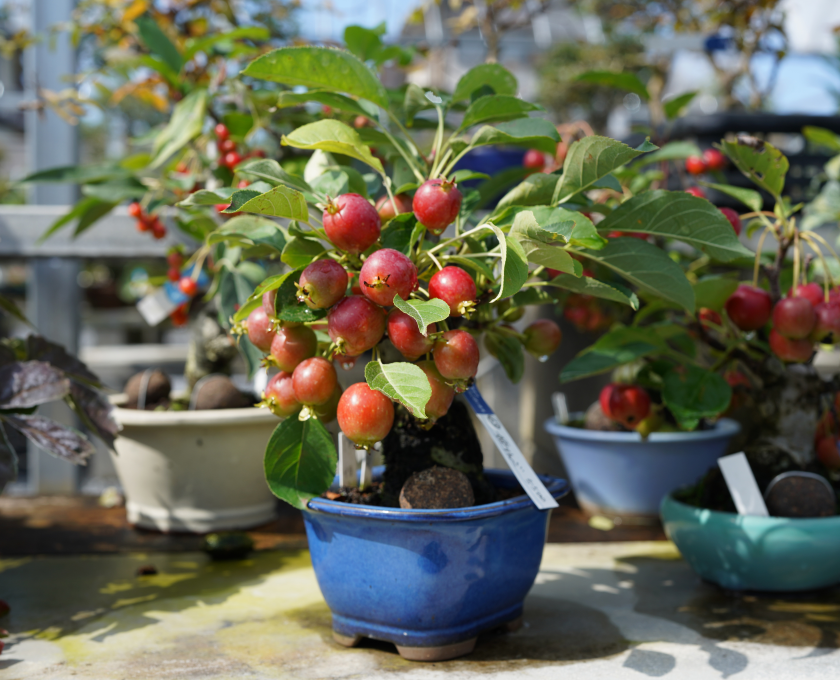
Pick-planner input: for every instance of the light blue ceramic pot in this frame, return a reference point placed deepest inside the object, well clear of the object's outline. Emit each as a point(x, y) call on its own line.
point(427, 580)
point(619, 473)
point(741, 552)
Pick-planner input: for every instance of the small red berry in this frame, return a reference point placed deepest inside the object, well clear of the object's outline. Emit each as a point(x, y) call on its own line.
point(291, 345)
point(456, 288)
point(794, 317)
point(813, 292)
point(827, 326)
point(227, 146)
point(542, 338)
point(456, 356)
point(279, 396)
point(534, 159)
point(628, 404)
point(135, 210)
point(188, 286)
point(708, 318)
point(734, 219)
point(365, 416)
point(387, 273)
point(174, 274)
point(260, 329)
point(179, 316)
point(242, 184)
point(352, 223)
point(322, 284)
point(436, 204)
point(231, 160)
point(696, 191)
point(406, 337)
point(442, 394)
point(222, 133)
point(385, 206)
point(356, 325)
point(143, 225)
point(362, 121)
point(158, 230)
point(314, 381)
point(174, 258)
point(714, 160)
point(749, 307)
point(694, 165)
point(792, 351)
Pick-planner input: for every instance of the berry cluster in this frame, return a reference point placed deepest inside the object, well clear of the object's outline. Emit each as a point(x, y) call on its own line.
point(229, 156)
point(626, 404)
point(146, 221)
point(712, 160)
point(804, 317)
point(357, 322)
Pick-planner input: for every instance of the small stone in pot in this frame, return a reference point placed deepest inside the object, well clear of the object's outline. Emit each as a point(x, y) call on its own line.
point(218, 391)
point(156, 385)
point(800, 494)
point(437, 488)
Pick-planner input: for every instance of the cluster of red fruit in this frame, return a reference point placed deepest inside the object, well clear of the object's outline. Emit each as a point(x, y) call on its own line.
point(712, 160)
point(186, 284)
point(799, 320)
point(356, 323)
point(229, 156)
point(147, 222)
point(586, 314)
point(626, 404)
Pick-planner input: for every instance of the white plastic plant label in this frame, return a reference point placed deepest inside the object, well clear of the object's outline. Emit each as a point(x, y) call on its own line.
point(158, 305)
point(561, 408)
point(526, 477)
point(347, 464)
point(742, 485)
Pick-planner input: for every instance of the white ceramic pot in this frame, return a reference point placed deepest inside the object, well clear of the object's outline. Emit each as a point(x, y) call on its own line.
point(194, 471)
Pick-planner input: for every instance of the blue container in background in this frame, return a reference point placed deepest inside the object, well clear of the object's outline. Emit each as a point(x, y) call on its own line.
point(742, 552)
point(427, 580)
point(619, 473)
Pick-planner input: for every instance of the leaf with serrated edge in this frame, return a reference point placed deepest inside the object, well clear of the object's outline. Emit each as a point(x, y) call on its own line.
point(514, 264)
point(692, 393)
point(534, 190)
point(281, 201)
point(673, 151)
point(271, 171)
point(332, 136)
point(586, 285)
point(402, 382)
point(763, 163)
point(678, 215)
point(617, 347)
point(320, 67)
point(424, 312)
point(591, 158)
point(495, 75)
point(186, 122)
point(300, 461)
point(534, 133)
point(646, 266)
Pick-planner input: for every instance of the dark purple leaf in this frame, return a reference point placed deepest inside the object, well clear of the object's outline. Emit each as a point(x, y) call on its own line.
point(41, 349)
point(8, 460)
point(95, 411)
point(55, 438)
point(29, 383)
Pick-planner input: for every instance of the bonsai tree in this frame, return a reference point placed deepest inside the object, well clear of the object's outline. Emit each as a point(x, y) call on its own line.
point(35, 371)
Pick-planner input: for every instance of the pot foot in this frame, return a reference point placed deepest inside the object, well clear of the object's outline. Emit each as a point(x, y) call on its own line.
point(438, 653)
point(347, 640)
point(515, 625)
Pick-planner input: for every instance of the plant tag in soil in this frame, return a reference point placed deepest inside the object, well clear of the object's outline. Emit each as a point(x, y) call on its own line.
point(742, 485)
point(158, 305)
point(561, 408)
point(526, 477)
point(346, 462)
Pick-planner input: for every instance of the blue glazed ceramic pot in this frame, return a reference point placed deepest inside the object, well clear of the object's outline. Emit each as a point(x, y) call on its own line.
point(427, 579)
point(619, 473)
point(742, 552)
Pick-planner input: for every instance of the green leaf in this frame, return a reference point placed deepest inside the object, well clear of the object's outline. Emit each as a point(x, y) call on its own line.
point(185, 124)
point(761, 162)
point(209, 197)
point(158, 43)
point(588, 160)
point(538, 247)
point(465, 176)
point(363, 42)
point(678, 215)
point(713, 292)
point(424, 312)
point(673, 151)
point(514, 264)
point(614, 349)
point(320, 67)
point(78, 174)
point(272, 172)
point(398, 234)
point(242, 196)
point(622, 81)
point(286, 304)
point(584, 233)
point(87, 211)
point(414, 102)
point(336, 101)
point(498, 77)
point(117, 191)
point(497, 108)
point(300, 461)
point(402, 382)
point(332, 136)
point(646, 266)
point(333, 183)
point(674, 107)
point(822, 137)
point(749, 197)
point(586, 285)
point(472, 263)
point(536, 189)
point(509, 352)
point(249, 230)
point(692, 393)
point(534, 133)
point(255, 33)
point(281, 201)
point(299, 252)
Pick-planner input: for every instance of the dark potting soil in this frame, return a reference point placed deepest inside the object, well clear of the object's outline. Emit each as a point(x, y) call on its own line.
point(373, 495)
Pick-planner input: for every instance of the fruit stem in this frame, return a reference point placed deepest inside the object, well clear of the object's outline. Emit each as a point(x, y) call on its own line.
point(457, 158)
point(409, 141)
point(450, 241)
point(442, 161)
point(437, 146)
point(814, 235)
point(796, 258)
point(758, 255)
point(434, 259)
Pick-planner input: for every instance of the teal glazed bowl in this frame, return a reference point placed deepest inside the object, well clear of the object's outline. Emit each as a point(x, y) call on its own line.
point(743, 552)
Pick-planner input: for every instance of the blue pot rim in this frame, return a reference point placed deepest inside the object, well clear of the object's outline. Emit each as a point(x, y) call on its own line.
point(556, 487)
point(725, 427)
point(748, 521)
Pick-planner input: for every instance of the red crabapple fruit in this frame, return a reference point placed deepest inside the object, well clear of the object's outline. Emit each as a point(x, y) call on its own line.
point(322, 284)
point(385, 207)
point(260, 329)
point(734, 219)
point(356, 325)
point(442, 394)
point(827, 326)
point(792, 351)
point(628, 404)
point(542, 338)
point(749, 307)
point(436, 204)
point(406, 337)
point(314, 381)
point(291, 345)
point(387, 273)
point(365, 416)
point(695, 165)
point(456, 288)
point(279, 396)
point(456, 356)
point(714, 160)
point(794, 317)
point(533, 159)
point(268, 299)
point(352, 223)
point(810, 291)
point(696, 191)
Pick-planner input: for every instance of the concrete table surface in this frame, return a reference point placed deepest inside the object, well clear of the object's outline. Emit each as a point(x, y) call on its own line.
point(598, 610)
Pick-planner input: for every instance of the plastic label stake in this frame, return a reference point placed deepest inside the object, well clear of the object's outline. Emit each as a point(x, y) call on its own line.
point(158, 305)
point(510, 451)
point(561, 408)
point(367, 470)
point(742, 485)
point(346, 462)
